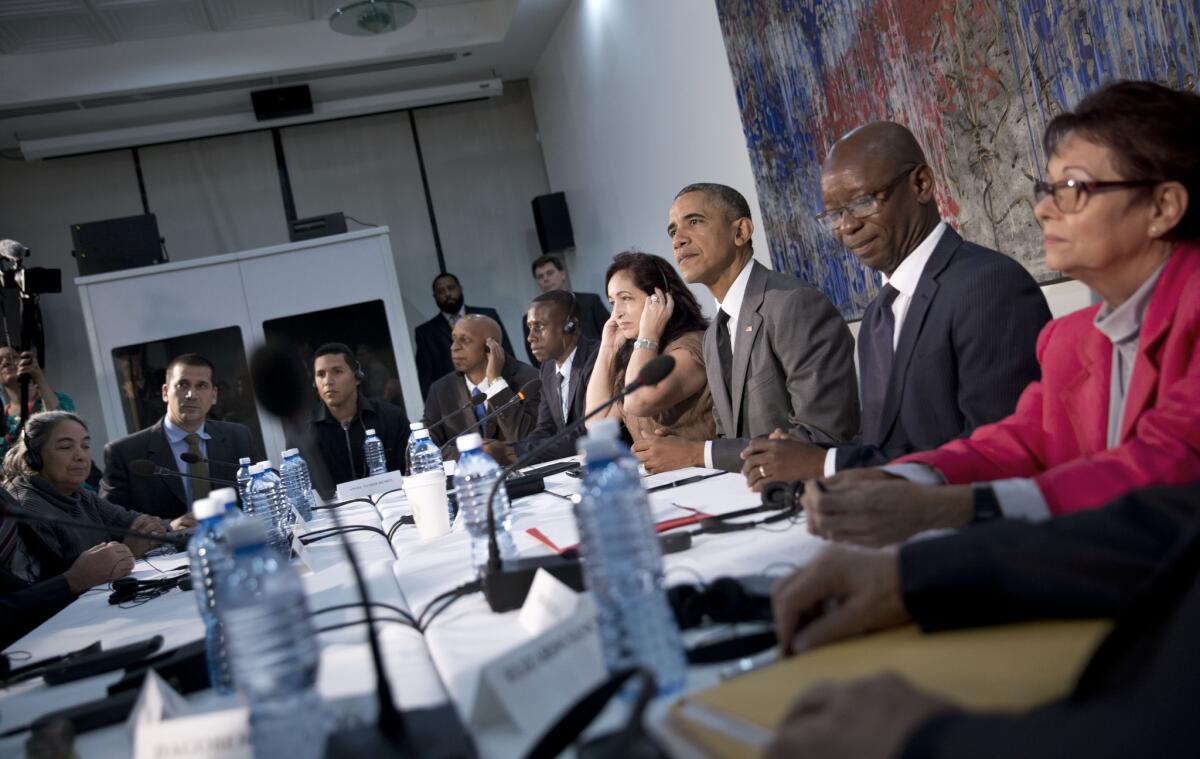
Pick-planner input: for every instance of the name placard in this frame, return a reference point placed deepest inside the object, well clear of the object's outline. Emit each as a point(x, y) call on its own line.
point(163, 728)
point(369, 486)
point(531, 685)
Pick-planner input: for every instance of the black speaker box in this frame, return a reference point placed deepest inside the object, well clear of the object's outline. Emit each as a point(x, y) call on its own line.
point(282, 102)
point(116, 244)
point(553, 222)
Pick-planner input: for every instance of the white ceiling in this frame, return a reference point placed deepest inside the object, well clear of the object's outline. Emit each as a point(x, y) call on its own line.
point(77, 66)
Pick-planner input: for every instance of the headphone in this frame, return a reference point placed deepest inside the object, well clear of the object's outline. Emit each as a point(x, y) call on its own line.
point(571, 325)
point(723, 601)
point(33, 459)
point(133, 590)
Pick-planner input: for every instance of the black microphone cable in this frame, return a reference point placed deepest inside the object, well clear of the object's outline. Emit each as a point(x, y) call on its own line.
point(329, 532)
point(433, 611)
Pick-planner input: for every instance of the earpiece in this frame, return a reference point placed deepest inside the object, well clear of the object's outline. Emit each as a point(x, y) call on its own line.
point(33, 459)
point(724, 601)
point(571, 325)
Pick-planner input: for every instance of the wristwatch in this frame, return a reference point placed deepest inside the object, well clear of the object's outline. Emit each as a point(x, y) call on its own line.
point(642, 342)
point(984, 504)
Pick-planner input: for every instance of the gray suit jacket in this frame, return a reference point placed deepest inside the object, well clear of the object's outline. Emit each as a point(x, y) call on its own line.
point(448, 395)
point(793, 368)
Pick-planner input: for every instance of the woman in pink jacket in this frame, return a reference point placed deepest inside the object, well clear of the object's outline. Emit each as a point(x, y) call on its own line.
point(1118, 404)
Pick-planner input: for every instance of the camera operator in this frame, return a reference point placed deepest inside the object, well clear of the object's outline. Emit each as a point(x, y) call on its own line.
point(42, 397)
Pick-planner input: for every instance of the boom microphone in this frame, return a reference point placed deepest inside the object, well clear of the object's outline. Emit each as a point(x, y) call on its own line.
point(190, 458)
point(21, 515)
point(477, 398)
point(522, 395)
point(147, 468)
point(506, 588)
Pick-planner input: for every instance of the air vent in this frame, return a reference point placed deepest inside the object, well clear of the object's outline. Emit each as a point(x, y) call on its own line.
point(369, 68)
point(38, 110)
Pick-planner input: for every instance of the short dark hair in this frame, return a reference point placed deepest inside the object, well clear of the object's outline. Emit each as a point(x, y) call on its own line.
point(191, 359)
point(547, 259)
point(1151, 131)
point(335, 349)
point(565, 301)
point(731, 201)
point(443, 275)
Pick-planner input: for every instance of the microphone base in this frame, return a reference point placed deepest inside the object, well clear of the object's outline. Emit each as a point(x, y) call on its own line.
point(436, 732)
point(505, 589)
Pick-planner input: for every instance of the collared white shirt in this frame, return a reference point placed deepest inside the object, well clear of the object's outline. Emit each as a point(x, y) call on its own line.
point(905, 279)
point(452, 318)
point(490, 390)
point(175, 436)
point(732, 304)
point(907, 276)
point(564, 369)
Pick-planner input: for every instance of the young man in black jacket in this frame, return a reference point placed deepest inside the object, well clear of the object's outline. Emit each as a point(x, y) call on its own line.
point(345, 414)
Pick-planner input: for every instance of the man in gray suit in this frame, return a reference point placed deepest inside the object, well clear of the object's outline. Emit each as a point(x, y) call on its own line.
point(778, 355)
point(480, 365)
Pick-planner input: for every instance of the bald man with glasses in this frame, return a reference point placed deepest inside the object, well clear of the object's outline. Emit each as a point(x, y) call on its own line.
point(947, 345)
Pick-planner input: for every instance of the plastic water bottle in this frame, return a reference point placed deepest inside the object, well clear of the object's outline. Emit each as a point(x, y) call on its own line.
point(373, 454)
point(279, 504)
point(622, 562)
point(297, 488)
point(473, 480)
point(211, 560)
point(272, 647)
point(243, 480)
point(423, 454)
point(261, 504)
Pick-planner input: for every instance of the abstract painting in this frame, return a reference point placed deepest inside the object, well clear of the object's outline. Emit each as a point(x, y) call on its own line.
point(976, 82)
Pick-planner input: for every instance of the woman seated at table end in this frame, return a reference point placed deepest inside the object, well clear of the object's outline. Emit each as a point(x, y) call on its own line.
point(654, 313)
point(45, 472)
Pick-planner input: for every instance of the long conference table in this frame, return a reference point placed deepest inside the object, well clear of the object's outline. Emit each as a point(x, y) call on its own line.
point(443, 665)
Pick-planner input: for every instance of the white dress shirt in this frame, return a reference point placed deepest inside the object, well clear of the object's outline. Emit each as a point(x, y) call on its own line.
point(564, 369)
point(904, 279)
point(732, 305)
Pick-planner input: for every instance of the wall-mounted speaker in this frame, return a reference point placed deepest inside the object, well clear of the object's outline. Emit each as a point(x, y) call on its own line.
point(282, 102)
point(553, 222)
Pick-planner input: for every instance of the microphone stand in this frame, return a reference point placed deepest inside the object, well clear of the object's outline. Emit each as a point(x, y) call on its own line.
point(506, 588)
point(164, 472)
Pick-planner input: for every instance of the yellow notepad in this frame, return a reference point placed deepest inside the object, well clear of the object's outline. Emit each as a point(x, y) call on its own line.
point(1005, 668)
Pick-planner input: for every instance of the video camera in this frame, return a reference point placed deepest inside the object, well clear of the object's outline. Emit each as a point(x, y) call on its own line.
point(30, 282)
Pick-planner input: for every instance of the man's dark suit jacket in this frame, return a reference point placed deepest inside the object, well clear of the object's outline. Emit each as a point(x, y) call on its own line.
point(550, 419)
point(1137, 559)
point(592, 315)
point(449, 394)
point(165, 496)
point(966, 351)
point(433, 346)
point(24, 606)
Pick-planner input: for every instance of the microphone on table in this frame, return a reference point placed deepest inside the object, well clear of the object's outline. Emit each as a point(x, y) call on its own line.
point(21, 515)
point(528, 389)
point(477, 398)
point(147, 468)
point(505, 586)
point(282, 387)
point(190, 458)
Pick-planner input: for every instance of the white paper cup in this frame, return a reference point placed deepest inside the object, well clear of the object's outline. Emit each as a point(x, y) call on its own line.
point(430, 506)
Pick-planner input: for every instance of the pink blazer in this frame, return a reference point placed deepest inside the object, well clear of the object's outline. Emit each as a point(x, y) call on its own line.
point(1057, 435)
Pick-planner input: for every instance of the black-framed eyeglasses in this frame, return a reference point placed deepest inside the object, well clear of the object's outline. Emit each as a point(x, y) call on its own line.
point(862, 206)
point(1071, 195)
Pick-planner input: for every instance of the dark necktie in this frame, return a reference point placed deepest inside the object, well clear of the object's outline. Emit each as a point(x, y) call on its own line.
point(876, 337)
point(725, 350)
point(200, 488)
point(480, 409)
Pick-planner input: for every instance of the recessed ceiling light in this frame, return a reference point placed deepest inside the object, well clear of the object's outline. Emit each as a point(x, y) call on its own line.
point(369, 17)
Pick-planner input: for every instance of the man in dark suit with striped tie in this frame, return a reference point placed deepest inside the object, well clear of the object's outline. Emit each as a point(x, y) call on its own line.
point(946, 346)
point(480, 365)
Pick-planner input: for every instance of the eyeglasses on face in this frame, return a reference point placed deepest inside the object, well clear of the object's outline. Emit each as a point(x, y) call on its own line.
point(862, 206)
point(1071, 195)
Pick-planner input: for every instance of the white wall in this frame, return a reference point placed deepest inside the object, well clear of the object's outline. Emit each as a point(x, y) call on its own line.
point(635, 100)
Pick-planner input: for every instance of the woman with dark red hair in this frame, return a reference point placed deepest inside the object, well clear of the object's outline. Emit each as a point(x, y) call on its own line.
point(654, 313)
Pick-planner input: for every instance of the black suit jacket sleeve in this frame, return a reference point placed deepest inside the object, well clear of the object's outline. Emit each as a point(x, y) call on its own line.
point(1090, 564)
point(23, 606)
point(594, 315)
point(114, 487)
point(519, 421)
